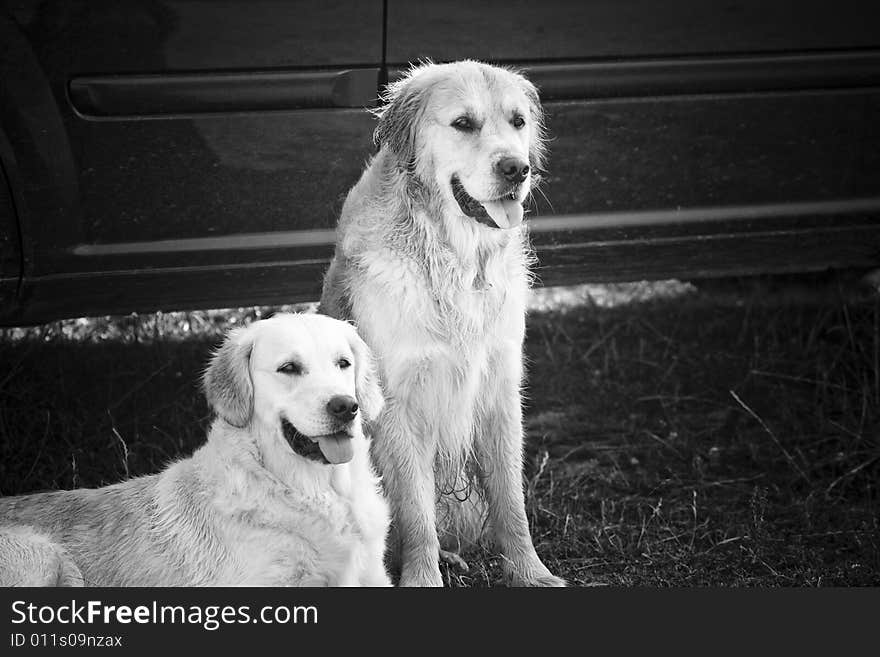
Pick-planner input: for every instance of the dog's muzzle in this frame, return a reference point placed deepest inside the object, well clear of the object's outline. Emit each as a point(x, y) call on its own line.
point(331, 448)
point(503, 212)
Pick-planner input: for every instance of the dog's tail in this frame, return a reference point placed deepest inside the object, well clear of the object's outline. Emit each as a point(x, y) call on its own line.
point(462, 519)
point(30, 558)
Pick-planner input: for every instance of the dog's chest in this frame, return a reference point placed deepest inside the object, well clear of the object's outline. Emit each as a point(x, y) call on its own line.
point(472, 312)
point(473, 321)
point(318, 540)
point(458, 306)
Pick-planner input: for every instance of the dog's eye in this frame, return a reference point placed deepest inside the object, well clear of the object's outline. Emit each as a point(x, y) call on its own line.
point(463, 123)
point(290, 368)
point(518, 121)
point(343, 363)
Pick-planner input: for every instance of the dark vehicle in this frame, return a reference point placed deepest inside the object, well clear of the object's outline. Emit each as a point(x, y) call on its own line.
point(167, 154)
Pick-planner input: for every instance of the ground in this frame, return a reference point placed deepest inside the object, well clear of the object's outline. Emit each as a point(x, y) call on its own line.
point(725, 434)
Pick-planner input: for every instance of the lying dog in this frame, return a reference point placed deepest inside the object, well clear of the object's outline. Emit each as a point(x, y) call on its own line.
point(432, 263)
point(282, 493)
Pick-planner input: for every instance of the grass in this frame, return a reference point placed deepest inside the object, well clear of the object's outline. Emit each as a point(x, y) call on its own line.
point(728, 435)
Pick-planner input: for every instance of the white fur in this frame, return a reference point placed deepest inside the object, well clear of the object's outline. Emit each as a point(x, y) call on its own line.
point(244, 509)
point(440, 299)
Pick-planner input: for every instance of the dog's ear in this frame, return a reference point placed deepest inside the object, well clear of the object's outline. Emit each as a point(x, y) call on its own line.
point(403, 103)
point(366, 379)
point(227, 381)
point(538, 141)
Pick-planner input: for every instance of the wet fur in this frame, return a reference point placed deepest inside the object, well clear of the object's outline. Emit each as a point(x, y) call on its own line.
point(441, 301)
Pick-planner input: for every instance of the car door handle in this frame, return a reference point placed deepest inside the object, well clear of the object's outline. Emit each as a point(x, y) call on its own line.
point(197, 93)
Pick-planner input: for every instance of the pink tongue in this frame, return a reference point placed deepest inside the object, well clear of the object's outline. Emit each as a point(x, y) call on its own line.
point(506, 213)
point(336, 448)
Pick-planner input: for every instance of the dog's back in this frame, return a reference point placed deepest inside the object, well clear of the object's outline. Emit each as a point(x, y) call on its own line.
point(154, 530)
point(101, 531)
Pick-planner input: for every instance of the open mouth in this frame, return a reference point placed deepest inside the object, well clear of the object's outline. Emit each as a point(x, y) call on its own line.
point(331, 448)
point(503, 212)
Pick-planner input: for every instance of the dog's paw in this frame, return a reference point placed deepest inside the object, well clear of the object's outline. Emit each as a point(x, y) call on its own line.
point(421, 577)
point(454, 561)
point(545, 580)
point(534, 576)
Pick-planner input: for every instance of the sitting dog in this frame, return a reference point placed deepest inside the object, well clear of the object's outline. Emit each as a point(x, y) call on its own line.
point(432, 263)
point(282, 493)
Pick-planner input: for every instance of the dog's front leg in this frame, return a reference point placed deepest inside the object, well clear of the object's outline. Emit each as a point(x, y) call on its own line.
point(406, 460)
point(373, 572)
point(499, 454)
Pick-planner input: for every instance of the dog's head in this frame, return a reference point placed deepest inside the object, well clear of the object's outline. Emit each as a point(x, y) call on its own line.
point(301, 378)
point(471, 131)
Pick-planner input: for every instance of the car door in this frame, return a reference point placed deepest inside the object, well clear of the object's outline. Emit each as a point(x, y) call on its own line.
point(689, 137)
point(181, 153)
point(164, 154)
point(10, 247)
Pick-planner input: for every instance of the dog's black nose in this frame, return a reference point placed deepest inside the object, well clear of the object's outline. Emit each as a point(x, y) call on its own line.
point(342, 407)
point(513, 169)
